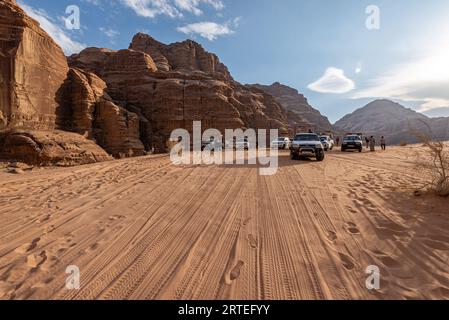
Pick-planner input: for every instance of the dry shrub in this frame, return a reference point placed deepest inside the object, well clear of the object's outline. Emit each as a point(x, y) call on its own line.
point(435, 161)
point(403, 144)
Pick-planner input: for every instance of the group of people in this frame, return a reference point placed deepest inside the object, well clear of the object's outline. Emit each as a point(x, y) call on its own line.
point(371, 143)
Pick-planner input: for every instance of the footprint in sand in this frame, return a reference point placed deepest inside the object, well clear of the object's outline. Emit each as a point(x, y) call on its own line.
point(116, 217)
point(44, 219)
point(252, 241)
point(389, 262)
point(332, 236)
point(245, 223)
point(386, 260)
point(352, 228)
point(28, 247)
point(351, 209)
point(35, 261)
point(347, 261)
point(235, 272)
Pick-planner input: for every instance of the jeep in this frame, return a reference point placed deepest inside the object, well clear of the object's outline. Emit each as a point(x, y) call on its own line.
point(307, 145)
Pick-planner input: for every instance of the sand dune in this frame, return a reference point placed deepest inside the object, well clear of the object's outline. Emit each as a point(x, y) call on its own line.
point(144, 229)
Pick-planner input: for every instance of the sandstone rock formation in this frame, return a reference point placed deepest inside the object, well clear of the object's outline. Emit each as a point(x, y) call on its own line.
point(186, 57)
point(50, 148)
point(90, 111)
point(193, 86)
point(33, 68)
point(301, 114)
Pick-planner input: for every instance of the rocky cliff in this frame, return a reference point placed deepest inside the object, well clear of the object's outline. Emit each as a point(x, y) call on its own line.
point(33, 68)
point(170, 86)
point(186, 57)
point(301, 114)
point(90, 111)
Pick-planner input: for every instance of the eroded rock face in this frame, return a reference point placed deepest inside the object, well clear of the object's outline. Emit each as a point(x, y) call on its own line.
point(57, 148)
point(117, 130)
point(90, 111)
point(186, 57)
point(300, 113)
point(33, 68)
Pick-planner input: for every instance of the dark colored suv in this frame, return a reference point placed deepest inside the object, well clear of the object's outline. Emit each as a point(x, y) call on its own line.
point(352, 142)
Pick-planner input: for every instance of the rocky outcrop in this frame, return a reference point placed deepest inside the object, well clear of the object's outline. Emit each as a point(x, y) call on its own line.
point(168, 100)
point(185, 57)
point(33, 68)
point(33, 72)
point(57, 148)
point(90, 111)
point(301, 114)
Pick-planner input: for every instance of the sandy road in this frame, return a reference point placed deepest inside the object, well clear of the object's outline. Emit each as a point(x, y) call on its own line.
point(145, 229)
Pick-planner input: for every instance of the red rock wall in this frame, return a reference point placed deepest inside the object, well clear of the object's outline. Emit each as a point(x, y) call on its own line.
point(33, 68)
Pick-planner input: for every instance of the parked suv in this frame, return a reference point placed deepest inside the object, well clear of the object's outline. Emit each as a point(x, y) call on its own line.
point(352, 142)
point(281, 143)
point(327, 142)
point(307, 145)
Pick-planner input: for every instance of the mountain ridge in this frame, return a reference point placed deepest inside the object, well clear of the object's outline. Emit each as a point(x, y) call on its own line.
point(384, 117)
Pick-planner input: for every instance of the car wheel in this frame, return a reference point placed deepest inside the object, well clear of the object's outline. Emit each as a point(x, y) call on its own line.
point(360, 150)
point(343, 150)
point(294, 156)
point(320, 157)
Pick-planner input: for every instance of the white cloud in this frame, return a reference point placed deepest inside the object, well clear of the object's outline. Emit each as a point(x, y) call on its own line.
point(193, 5)
point(55, 31)
point(110, 33)
point(171, 8)
point(333, 81)
point(208, 30)
point(424, 80)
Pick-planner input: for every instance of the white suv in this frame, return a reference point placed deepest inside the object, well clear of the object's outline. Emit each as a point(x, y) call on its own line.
point(281, 143)
point(327, 142)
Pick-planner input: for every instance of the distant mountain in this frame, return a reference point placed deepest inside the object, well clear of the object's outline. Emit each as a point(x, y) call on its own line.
point(392, 120)
point(301, 115)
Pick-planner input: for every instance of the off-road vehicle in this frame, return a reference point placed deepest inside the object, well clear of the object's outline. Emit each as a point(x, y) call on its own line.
point(352, 142)
point(327, 142)
point(281, 143)
point(307, 145)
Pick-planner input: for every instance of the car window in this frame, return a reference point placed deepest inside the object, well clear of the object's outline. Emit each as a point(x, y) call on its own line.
point(306, 137)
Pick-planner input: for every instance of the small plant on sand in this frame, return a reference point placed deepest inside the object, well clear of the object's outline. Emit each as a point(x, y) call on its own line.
point(403, 143)
point(435, 161)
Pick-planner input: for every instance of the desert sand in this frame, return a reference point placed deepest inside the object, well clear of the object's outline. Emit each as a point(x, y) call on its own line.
point(143, 228)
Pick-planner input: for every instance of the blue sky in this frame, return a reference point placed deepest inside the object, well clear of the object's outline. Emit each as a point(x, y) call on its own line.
point(323, 48)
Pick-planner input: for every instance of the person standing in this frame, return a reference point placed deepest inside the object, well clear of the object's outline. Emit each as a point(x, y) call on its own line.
point(372, 144)
point(367, 142)
point(338, 141)
point(383, 143)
